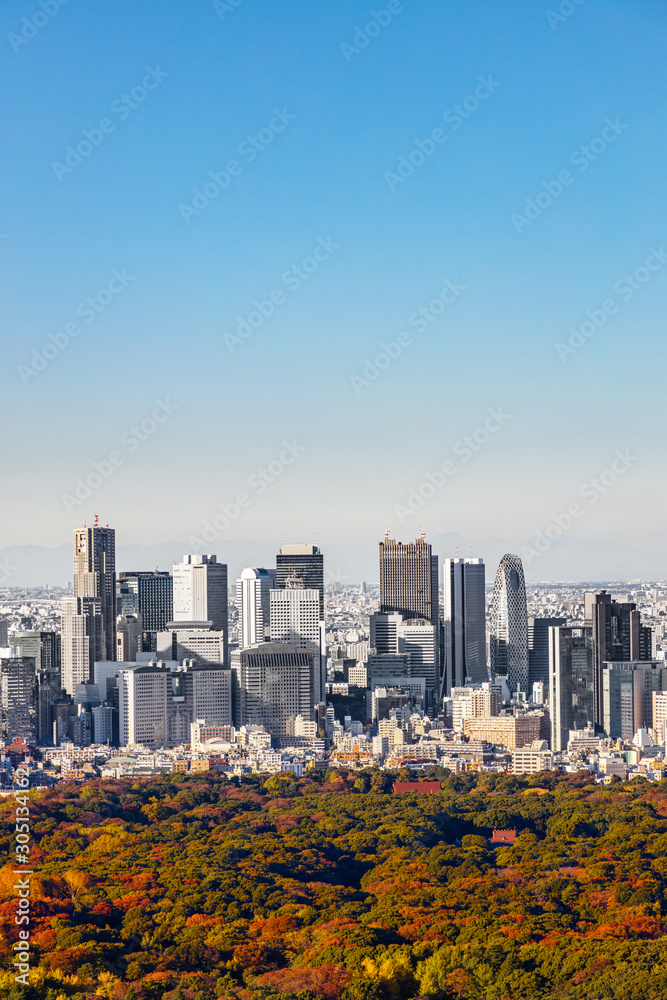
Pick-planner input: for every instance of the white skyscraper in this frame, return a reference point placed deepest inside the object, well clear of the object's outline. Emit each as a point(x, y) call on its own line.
point(253, 602)
point(295, 619)
point(200, 591)
point(465, 622)
point(200, 600)
point(142, 703)
point(82, 639)
point(508, 640)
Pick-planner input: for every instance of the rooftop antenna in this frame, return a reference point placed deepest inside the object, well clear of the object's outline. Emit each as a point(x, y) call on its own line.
point(96, 522)
point(386, 535)
point(422, 533)
point(317, 539)
point(457, 551)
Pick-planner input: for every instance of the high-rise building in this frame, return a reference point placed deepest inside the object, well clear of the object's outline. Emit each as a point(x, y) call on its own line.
point(200, 597)
point(82, 640)
point(413, 638)
point(409, 587)
point(95, 577)
point(571, 682)
point(143, 705)
point(158, 705)
point(272, 686)
point(508, 639)
point(253, 604)
point(4, 625)
point(627, 696)
point(149, 594)
point(295, 619)
point(199, 644)
point(18, 697)
point(304, 563)
point(44, 648)
point(538, 649)
point(409, 580)
point(128, 636)
point(616, 637)
point(384, 632)
point(200, 592)
point(464, 622)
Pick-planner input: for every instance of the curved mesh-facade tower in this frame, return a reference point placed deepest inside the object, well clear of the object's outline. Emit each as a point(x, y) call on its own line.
point(508, 641)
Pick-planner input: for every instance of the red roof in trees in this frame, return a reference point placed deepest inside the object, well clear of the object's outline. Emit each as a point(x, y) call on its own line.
point(423, 787)
point(503, 837)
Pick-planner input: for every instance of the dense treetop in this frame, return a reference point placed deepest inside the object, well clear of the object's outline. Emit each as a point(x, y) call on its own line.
point(330, 886)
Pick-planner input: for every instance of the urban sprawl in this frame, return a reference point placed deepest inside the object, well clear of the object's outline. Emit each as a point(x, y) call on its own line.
point(138, 672)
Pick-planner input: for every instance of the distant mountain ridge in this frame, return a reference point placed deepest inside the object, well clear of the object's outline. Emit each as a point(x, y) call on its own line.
point(566, 560)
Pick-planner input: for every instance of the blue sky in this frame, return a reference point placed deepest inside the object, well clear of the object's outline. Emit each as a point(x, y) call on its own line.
point(347, 118)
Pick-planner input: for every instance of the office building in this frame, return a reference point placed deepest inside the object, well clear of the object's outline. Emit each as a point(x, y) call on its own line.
point(157, 705)
point(142, 704)
point(200, 592)
point(571, 682)
point(43, 646)
point(253, 604)
point(95, 577)
point(295, 619)
point(532, 759)
point(82, 640)
point(18, 697)
point(129, 632)
point(627, 696)
point(659, 699)
point(409, 580)
point(305, 564)
point(413, 638)
point(273, 684)
point(384, 632)
point(616, 637)
point(508, 639)
point(538, 650)
point(464, 622)
point(149, 594)
point(200, 644)
point(4, 639)
point(507, 731)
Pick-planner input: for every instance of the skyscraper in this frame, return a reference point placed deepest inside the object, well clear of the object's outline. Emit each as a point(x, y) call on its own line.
point(272, 686)
point(538, 649)
point(253, 603)
point(571, 682)
point(95, 577)
point(304, 563)
point(82, 640)
point(149, 594)
point(415, 639)
point(200, 596)
point(617, 637)
point(627, 696)
point(295, 619)
point(18, 698)
point(464, 622)
point(508, 640)
point(200, 591)
point(409, 580)
point(409, 586)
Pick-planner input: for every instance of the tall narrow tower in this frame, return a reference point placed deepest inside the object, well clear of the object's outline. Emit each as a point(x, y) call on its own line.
point(95, 577)
point(508, 641)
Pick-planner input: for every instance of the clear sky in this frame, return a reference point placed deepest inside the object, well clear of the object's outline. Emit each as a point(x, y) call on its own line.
point(318, 105)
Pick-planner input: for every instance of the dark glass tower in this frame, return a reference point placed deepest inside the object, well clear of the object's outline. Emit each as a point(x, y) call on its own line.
point(302, 563)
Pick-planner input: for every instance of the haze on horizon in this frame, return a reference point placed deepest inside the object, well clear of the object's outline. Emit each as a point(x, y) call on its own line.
point(229, 348)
